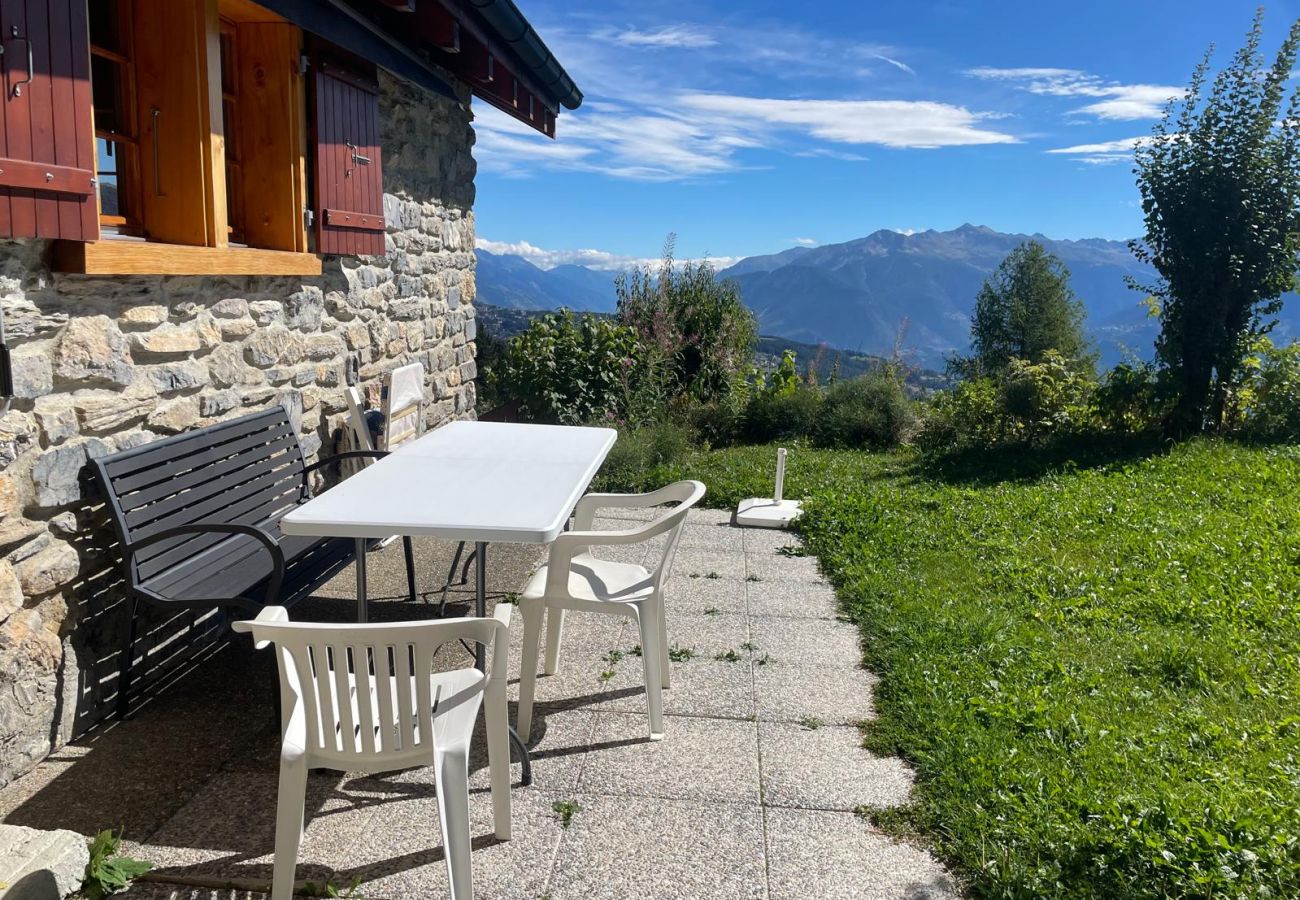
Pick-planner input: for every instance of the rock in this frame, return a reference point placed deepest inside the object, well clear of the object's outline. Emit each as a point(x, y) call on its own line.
point(32, 370)
point(17, 434)
point(148, 315)
point(57, 419)
point(177, 376)
point(303, 310)
point(228, 368)
point(274, 345)
point(93, 349)
point(41, 865)
point(57, 474)
point(358, 335)
point(105, 413)
point(48, 570)
point(29, 690)
point(217, 403)
point(234, 329)
point(169, 338)
point(175, 416)
point(266, 312)
point(453, 297)
point(11, 591)
point(230, 308)
point(324, 346)
point(292, 403)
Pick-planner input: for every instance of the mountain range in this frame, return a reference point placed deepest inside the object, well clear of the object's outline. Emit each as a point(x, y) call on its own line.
point(868, 295)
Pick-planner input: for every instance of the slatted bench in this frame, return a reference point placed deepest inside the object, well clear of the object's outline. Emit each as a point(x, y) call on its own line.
point(198, 519)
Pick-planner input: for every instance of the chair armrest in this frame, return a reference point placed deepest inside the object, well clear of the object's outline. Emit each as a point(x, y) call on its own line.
point(232, 529)
point(270, 615)
point(585, 510)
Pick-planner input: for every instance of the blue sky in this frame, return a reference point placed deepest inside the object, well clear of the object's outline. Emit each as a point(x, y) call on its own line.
point(749, 127)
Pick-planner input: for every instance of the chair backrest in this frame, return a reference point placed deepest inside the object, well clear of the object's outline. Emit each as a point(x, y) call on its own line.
point(361, 439)
point(364, 689)
point(246, 471)
point(403, 402)
point(683, 495)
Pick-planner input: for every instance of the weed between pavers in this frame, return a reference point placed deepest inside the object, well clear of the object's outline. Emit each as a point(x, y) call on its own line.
point(810, 723)
point(565, 810)
point(791, 551)
point(753, 577)
point(330, 889)
point(681, 654)
point(712, 611)
point(107, 872)
point(729, 656)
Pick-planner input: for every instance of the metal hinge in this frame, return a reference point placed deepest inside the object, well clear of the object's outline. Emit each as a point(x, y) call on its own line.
point(308, 218)
point(304, 63)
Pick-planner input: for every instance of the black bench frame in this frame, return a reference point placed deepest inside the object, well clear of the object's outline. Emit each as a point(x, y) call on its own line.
point(193, 496)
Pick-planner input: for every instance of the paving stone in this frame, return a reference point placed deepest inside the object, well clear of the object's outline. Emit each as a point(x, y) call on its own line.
point(699, 759)
point(807, 642)
point(403, 858)
point(784, 693)
point(700, 563)
point(825, 767)
point(778, 567)
point(837, 856)
point(707, 636)
point(152, 890)
point(621, 848)
point(792, 599)
point(719, 538)
point(700, 687)
point(770, 540)
point(700, 516)
point(693, 596)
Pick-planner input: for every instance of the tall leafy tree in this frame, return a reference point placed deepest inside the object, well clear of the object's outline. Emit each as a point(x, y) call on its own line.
point(1220, 181)
point(1025, 309)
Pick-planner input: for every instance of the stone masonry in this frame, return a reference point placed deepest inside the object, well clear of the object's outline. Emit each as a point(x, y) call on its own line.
point(106, 363)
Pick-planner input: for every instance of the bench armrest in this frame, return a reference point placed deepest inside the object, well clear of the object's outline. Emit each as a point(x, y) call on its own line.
point(268, 542)
point(347, 454)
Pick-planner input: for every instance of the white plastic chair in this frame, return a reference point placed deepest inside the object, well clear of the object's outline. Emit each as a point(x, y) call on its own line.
point(402, 406)
point(574, 579)
point(365, 698)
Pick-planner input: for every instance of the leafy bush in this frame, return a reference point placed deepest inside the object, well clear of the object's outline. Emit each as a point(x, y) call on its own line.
point(1129, 399)
point(694, 322)
point(870, 411)
point(571, 370)
point(1031, 404)
point(1272, 402)
point(645, 457)
point(783, 416)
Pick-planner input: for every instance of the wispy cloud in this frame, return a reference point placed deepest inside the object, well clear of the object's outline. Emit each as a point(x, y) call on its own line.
point(1104, 153)
point(805, 242)
point(683, 37)
point(1112, 100)
point(601, 260)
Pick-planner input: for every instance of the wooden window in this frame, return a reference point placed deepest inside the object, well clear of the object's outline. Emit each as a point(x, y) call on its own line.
point(199, 138)
point(47, 164)
point(349, 184)
point(117, 160)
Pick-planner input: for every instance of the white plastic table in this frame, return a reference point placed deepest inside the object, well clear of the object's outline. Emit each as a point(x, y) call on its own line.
point(467, 481)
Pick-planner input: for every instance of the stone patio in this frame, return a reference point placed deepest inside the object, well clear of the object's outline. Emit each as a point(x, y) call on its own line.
point(751, 794)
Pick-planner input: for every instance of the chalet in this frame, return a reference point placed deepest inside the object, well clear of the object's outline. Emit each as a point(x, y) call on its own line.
point(208, 207)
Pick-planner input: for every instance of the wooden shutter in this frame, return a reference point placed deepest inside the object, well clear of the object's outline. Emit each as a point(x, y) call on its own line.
point(349, 184)
point(47, 140)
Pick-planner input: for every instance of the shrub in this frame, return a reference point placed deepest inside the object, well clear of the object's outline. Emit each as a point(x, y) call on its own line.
point(870, 411)
point(1129, 399)
point(698, 325)
point(640, 454)
point(967, 416)
point(783, 416)
point(570, 370)
point(1272, 393)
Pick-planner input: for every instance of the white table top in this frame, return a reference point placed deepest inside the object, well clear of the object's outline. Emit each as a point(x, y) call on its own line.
point(468, 481)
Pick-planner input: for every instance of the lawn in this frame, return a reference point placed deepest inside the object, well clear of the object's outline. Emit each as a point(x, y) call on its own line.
point(1094, 670)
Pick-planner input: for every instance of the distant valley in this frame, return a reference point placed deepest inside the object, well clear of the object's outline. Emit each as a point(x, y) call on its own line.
point(860, 295)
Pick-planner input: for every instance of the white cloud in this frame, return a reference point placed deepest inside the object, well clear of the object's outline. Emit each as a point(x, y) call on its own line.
point(806, 242)
point(683, 37)
point(1115, 101)
point(1104, 153)
point(601, 260)
point(916, 124)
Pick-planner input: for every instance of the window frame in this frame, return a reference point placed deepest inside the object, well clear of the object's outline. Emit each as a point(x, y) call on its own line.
point(129, 153)
point(122, 250)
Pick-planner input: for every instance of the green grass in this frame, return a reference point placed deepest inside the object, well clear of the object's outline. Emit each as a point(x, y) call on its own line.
point(1094, 669)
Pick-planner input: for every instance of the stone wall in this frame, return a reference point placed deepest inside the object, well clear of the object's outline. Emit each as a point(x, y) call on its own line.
point(106, 363)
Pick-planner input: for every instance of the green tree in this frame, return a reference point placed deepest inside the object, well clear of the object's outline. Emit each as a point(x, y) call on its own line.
point(1024, 310)
point(1220, 180)
point(697, 322)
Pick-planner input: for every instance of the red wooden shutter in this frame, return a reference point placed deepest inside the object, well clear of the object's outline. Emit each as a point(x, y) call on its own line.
point(349, 183)
point(47, 141)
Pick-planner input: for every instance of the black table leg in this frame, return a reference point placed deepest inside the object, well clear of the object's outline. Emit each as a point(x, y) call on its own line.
point(363, 611)
point(480, 652)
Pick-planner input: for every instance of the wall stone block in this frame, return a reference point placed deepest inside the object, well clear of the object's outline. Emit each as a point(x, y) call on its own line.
point(93, 349)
